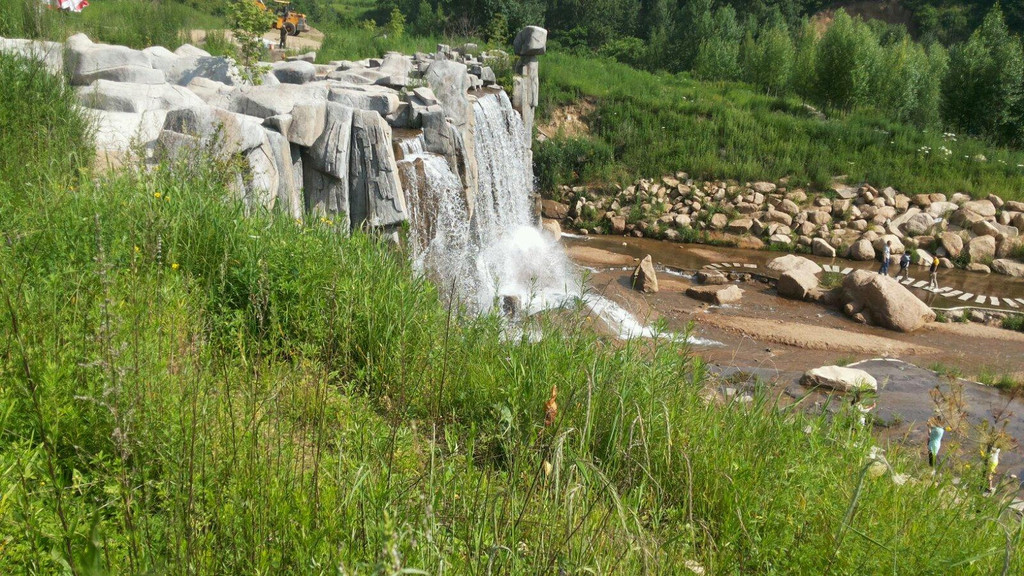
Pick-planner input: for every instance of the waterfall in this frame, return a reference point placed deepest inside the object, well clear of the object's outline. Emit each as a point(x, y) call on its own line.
point(499, 252)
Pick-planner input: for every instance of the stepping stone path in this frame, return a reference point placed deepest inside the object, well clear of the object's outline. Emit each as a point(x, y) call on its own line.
point(1014, 304)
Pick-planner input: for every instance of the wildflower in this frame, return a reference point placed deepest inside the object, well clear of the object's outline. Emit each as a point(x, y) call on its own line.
point(137, 249)
point(157, 195)
point(551, 407)
point(546, 466)
point(174, 266)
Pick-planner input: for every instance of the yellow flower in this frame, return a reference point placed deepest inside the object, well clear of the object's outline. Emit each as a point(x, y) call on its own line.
point(137, 249)
point(156, 195)
point(174, 266)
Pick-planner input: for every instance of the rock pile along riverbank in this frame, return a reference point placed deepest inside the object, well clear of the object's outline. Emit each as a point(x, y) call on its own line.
point(981, 235)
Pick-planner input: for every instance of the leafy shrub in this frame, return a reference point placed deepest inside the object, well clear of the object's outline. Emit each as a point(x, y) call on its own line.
point(559, 161)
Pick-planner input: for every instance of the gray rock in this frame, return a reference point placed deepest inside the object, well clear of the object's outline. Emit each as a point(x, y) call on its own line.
point(977, 267)
point(308, 122)
point(86, 62)
point(1008, 267)
point(981, 249)
point(796, 284)
point(289, 190)
point(862, 250)
point(839, 378)
point(711, 277)
point(450, 81)
point(191, 51)
point(376, 198)
point(952, 243)
point(127, 97)
point(717, 295)
point(531, 41)
point(51, 54)
point(294, 72)
point(918, 225)
point(791, 262)
point(382, 100)
point(397, 69)
point(644, 278)
point(330, 153)
point(740, 226)
point(265, 101)
point(884, 302)
point(820, 247)
point(983, 208)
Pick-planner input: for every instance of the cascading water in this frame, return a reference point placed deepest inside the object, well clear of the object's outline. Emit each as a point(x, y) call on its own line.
point(499, 251)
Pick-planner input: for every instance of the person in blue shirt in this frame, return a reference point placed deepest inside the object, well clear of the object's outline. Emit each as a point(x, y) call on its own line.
point(904, 266)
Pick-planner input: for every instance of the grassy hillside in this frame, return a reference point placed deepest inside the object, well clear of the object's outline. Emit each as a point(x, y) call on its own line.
point(135, 23)
point(645, 125)
point(185, 390)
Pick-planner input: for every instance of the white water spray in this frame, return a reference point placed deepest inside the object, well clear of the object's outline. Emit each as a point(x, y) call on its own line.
point(499, 252)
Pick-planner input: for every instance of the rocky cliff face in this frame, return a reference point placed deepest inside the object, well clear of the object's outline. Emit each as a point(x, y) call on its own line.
point(321, 140)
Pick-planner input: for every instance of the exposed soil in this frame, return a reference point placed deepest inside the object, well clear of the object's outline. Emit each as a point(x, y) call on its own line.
point(568, 121)
point(798, 335)
point(304, 42)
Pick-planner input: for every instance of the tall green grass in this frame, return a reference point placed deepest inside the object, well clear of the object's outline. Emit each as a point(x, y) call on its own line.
point(134, 23)
point(661, 123)
point(187, 390)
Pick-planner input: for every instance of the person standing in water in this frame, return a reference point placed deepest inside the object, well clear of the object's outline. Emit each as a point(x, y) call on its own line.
point(933, 274)
point(886, 257)
point(904, 266)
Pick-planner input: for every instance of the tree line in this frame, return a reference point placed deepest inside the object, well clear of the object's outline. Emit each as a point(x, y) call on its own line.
point(973, 86)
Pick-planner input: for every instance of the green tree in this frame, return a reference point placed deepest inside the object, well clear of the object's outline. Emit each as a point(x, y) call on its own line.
point(846, 62)
point(804, 78)
point(768, 62)
point(395, 27)
point(984, 89)
point(718, 52)
point(249, 23)
point(497, 30)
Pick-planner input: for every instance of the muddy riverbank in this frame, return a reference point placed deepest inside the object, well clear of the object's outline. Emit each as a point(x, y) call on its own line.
point(778, 339)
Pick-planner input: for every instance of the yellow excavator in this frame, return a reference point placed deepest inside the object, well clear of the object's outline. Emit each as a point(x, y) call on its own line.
point(294, 23)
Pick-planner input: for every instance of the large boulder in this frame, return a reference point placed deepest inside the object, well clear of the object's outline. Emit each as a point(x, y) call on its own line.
point(644, 277)
point(862, 250)
point(821, 247)
point(450, 82)
point(1008, 267)
point(981, 249)
point(884, 302)
point(294, 72)
point(796, 284)
point(51, 54)
point(983, 208)
point(791, 262)
point(85, 62)
point(952, 243)
point(918, 224)
point(839, 378)
point(717, 295)
point(376, 198)
point(531, 41)
point(128, 97)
